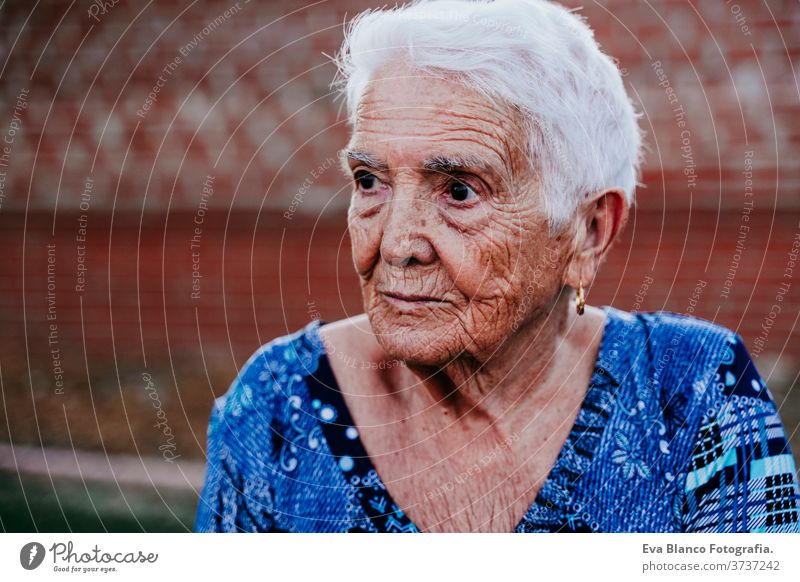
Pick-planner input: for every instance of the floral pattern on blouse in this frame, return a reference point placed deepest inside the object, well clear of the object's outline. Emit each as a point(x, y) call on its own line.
point(677, 432)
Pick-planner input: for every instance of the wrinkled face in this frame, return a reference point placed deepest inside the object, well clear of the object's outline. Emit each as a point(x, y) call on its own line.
point(449, 233)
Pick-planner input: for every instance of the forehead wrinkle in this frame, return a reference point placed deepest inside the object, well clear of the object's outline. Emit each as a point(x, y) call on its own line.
point(455, 99)
point(375, 107)
point(510, 146)
point(448, 118)
point(379, 93)
point(500, 162)
point(512, 156)
point(472, 120)
point(441, 109)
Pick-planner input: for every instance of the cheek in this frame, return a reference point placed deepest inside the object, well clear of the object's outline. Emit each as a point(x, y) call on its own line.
point(541, 276)
point(515, 266)
point(491, 261)
point(474, 263)
point(365, 242)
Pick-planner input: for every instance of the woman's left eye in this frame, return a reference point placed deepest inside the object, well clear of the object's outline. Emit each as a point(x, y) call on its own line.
point(461, 192)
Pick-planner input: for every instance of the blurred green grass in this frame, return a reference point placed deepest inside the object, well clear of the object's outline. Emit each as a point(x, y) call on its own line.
point(33, 504)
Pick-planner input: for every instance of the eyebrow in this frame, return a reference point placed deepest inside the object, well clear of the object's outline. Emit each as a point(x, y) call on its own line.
point(450, 164)
point(354, 155)
point(444, 164)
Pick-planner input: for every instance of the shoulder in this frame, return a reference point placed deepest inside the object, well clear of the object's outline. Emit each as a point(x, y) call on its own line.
point(670, 358)
point(700, 363)
point(677, 328)
point(351, 338)
point(664, 344)
point(680, 337)
point(267, 382)
point(713, 356)
point(662, 330)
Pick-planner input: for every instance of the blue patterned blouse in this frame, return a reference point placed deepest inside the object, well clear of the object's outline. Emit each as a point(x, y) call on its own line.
point(677, 432)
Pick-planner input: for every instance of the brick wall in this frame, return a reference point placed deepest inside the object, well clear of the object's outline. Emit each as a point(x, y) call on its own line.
point(124, 125)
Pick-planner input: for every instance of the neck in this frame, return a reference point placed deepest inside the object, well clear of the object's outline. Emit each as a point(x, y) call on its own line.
point(531, 363)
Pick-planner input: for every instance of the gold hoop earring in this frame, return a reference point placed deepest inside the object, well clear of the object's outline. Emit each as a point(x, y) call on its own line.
point(580, 305)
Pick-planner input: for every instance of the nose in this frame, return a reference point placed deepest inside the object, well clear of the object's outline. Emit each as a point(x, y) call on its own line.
point(406, 233)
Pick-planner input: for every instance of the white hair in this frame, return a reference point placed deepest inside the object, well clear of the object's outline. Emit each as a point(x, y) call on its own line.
point(533, 55)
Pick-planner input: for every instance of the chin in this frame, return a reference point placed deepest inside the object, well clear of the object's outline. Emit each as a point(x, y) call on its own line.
point(423, 340)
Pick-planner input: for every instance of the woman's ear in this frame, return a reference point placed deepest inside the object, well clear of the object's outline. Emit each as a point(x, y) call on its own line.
point(599, 222)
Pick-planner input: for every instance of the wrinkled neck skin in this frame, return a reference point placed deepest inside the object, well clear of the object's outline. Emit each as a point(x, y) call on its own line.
point(527, 368)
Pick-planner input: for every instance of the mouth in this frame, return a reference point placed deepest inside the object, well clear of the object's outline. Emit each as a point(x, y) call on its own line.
point(411, 300)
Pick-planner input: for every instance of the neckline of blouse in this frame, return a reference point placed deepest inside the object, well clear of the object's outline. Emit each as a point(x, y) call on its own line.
point(551, 509)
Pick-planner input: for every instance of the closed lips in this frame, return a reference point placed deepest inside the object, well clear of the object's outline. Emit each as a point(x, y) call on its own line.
point(411, 296)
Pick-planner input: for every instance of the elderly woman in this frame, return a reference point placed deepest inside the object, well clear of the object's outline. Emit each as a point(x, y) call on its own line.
point(494, 156)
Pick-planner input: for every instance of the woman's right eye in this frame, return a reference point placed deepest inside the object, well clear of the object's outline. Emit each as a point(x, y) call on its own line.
point(366, 182)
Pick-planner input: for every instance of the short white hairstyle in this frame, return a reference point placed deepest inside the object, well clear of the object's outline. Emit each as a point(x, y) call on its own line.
point(534, 55)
